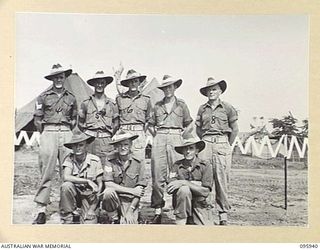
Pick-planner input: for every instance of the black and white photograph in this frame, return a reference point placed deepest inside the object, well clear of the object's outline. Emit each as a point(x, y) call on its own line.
point(161, 120)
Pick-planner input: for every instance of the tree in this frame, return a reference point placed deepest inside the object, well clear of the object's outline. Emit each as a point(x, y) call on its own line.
point(304, 128)
point(285, 126)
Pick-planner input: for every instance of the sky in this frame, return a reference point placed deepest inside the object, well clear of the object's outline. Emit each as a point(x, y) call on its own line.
point(263, 58)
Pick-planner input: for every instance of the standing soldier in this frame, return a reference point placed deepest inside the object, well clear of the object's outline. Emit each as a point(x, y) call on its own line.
point(98, 116)
point(170, 116)
point(55, 115)
point(217, 126)
point(134, 109)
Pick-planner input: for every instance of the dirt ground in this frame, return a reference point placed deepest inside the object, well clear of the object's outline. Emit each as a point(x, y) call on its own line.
point(256, 192)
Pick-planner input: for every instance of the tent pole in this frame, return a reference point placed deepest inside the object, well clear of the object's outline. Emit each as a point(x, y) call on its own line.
point(285, 183)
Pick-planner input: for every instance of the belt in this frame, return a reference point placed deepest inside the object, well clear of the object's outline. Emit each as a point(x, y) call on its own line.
point(216, 138)
point(132, 127)
point(97, 134)
point(169, 131)
point(56, 127)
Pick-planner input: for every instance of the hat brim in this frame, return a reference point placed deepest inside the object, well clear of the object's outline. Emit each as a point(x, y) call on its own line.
point(125, 82)
point(177, 84)
point(109, 79)
point(125, 138)
point(222, 84)
point(199, 144)
point(67, 72)
point(70, 144)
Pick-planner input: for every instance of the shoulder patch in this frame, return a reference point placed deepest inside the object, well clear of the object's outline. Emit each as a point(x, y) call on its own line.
point(108, 169)
point(172, 174)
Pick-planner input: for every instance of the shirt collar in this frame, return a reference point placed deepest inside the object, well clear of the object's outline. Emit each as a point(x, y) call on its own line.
point(119, 163)
point(207, 104)
point(50, 91)
point(104, 95)
point(126, 94)
point(84, 164)
point(194, 164)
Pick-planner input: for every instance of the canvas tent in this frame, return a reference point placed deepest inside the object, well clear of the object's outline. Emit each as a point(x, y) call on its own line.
point(74, 84)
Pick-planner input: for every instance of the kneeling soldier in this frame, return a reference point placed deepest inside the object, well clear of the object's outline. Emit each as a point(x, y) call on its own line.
point(124, 181)
point(190, 182)
point(82, 180)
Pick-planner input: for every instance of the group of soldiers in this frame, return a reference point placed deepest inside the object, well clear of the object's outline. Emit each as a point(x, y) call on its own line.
point(101, 151)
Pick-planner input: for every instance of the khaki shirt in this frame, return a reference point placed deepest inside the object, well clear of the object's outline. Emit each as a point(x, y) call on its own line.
point(130, 176)
point(134, 110)
point(90, 169)
point(216, 121)
point(52, 109)
point(178, 117)
point(199, 172)
point(92, 119)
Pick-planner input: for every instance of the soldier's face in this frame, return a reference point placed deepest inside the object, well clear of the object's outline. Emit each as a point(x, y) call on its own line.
point(80, 148)
point(100, 85)
point(169, 90)
point(124, 147)
point(214, 92)
point(190, 152)
point(58, 80)
point(134, 84)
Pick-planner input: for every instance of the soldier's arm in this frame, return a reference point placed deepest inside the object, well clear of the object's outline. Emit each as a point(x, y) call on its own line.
point(148, 115)
point(233, 124)
point(82, 116)
point(187, 119)
point(74, 114)
point(38, 114)
point(234, 131)
point(115, 119)
point(152, 121)
point(198, 123)
point(136, 191)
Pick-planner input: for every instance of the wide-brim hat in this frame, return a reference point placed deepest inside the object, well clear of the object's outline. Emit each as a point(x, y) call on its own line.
point(121, 136)
point(132, 74)
point(169, 80)
point(190, 141)
point(211, 82)
point(100, 75)
point(58, 69)
point(78, 137)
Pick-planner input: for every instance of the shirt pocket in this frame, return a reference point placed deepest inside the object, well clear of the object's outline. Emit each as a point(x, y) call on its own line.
point(160, 115)
point(67, 106)
point(132, 179)
point(178, 112)
point(222, 118)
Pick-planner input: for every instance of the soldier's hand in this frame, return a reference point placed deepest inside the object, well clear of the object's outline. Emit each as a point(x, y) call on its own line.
point(174, 185)
point(138, 191)
point(94, 186)
point(129, 217)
